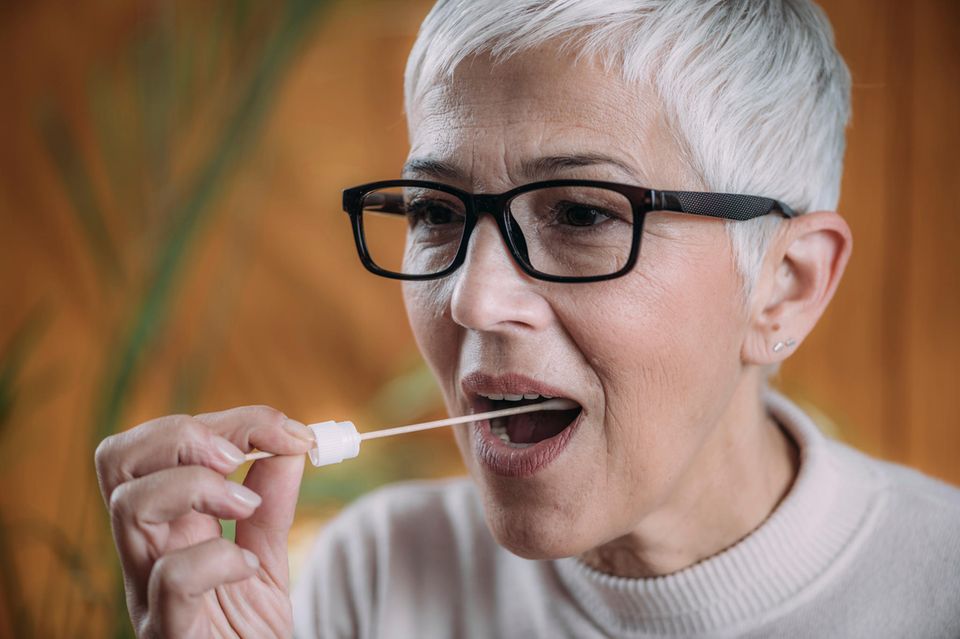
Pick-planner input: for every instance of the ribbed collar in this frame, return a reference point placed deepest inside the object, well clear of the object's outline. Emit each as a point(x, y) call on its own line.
point(829, 502)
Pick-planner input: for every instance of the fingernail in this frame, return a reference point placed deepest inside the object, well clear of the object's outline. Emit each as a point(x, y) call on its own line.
point(243, 494)
point(252, 560)
point(228, 451)
point(298, 430)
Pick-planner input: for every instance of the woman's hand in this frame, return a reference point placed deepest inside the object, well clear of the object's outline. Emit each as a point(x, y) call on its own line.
point(164, 484)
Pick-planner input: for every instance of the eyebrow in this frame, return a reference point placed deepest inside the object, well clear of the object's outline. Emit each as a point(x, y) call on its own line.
point(535, 168)
point(431, 167)
point(540, 167)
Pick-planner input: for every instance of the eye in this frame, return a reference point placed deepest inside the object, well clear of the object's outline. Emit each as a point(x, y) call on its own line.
point(573, 214)
point(432, 213)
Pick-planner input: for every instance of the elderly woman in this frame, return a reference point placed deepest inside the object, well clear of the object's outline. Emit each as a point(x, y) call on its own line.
point(628, 204)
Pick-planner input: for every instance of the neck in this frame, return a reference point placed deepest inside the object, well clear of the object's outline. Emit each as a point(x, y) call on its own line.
point(745, 467)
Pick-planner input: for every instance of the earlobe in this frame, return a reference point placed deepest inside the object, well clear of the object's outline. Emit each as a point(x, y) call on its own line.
point(800, 275)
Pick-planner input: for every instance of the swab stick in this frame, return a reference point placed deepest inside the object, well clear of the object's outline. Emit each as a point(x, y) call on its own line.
point(352, 440)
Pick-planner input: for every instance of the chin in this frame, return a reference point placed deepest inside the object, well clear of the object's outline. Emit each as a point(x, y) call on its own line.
point(535, 532)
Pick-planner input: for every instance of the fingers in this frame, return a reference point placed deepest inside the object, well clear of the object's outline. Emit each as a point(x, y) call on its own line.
point(260, 427)
point(214, 440)
point(180, 579)
point(164, 485)
point(174, 440)
point(265, 532)
point(166, 495)
point(142, 509)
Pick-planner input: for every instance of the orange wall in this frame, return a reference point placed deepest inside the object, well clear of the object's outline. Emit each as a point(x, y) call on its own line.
point(883, 362)
point(103, 144)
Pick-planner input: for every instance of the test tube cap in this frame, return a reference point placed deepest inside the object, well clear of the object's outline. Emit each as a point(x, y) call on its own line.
point(335, 441)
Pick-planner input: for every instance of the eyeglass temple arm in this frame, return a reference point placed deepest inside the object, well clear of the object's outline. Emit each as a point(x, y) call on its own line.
point(723, 205)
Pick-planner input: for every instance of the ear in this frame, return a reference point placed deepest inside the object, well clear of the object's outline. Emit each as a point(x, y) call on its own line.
point(800, 273)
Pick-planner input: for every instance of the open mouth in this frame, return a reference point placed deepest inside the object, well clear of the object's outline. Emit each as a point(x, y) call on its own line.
point(526, 429)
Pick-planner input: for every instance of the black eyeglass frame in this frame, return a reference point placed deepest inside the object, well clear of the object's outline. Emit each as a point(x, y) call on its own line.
point(642, 200)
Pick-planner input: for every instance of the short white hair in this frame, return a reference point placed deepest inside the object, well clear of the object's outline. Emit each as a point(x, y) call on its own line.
point(755, 91)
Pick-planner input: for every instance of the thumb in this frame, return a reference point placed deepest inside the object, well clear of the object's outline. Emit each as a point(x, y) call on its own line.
point(277, 481)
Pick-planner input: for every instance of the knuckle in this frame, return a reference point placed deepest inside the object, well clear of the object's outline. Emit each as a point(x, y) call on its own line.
point(120, 502)
point(268, 415)
point(190, 429)
point(201, 479)
point(104, 462)
point(168, 577)
point(102, 456)
point(146, 627)
point(191, 435)
point(162, 425)
point(175, 427)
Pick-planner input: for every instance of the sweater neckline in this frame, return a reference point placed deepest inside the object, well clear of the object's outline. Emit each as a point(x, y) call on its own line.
point(820, 515)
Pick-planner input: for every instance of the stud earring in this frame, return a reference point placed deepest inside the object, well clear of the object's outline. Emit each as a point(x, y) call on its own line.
point(779, 346)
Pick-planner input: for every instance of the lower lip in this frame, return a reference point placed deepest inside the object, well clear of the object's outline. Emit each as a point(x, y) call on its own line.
point(507, 461)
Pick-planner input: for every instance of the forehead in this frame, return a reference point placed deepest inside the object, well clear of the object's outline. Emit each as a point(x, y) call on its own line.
point(508, 121)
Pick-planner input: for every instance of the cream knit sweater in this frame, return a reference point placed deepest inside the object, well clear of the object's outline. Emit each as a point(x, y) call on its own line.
point(858, 548)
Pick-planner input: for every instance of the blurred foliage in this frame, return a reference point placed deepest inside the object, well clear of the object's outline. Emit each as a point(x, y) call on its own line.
point(169, 119)
point(247, 101)
point(147, 277)
point(142, 249)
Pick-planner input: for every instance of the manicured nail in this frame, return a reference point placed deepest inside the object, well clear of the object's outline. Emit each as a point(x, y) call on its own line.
point(228, 451)
point(252, 560)
point(298, 430)
point(243, 494)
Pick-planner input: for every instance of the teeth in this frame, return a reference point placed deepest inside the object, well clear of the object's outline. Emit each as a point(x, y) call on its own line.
point(499, 429)
point(511, 397)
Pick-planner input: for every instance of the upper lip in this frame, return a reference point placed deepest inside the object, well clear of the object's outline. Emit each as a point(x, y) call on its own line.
point(480, 384)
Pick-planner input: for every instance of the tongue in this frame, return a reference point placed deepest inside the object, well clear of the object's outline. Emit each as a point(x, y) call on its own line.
point(530, 428)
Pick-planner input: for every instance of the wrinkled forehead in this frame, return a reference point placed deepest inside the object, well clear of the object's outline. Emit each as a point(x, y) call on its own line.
point(494, 119)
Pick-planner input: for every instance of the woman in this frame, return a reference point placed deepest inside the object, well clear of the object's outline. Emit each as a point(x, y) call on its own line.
point(562, 230)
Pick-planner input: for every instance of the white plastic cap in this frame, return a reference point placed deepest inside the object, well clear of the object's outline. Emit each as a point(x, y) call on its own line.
point(336, 441)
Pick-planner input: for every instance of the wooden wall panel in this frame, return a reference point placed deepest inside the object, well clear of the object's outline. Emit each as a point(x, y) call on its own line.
point(883, 363)
point(933, 265)
point(275, 308)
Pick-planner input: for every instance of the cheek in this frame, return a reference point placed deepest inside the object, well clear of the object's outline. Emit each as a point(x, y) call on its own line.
point(664, 345)
point(436, 334)
point(675, 314)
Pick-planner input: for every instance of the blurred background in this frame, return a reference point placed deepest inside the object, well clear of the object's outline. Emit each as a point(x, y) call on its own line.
point(171, 241)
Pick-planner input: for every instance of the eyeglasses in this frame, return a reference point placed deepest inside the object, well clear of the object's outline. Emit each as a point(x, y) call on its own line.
point(557, 230)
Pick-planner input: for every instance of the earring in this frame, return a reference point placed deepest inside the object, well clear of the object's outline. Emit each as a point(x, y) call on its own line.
point(779, 346)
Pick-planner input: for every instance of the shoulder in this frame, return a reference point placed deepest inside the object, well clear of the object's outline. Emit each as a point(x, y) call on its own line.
point(912, 485)
point(909, 559)
point(910, 492)
point(926, 510)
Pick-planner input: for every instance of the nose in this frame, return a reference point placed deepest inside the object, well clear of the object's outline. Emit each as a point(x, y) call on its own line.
point(491, 292)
